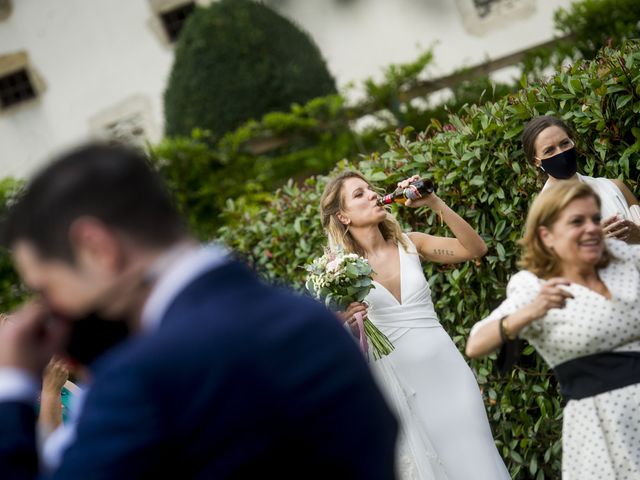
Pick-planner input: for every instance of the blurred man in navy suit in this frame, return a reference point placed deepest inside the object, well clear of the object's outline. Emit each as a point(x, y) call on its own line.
point(221, 377)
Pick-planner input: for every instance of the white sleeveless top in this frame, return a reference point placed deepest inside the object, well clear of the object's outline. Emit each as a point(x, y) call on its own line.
point(415, 310)
point(611, 198)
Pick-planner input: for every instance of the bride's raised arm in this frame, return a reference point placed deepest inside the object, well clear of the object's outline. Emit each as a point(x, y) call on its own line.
point(466, 245)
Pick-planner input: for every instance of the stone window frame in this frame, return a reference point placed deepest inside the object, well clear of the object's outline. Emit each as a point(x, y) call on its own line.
point(136, 108)
point(505, 12)
point(156, 24)
point(13, 63)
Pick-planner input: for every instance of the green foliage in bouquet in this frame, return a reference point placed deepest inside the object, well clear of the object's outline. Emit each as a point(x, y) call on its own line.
point(477, 161)
point(237, 60)
point(339, 279)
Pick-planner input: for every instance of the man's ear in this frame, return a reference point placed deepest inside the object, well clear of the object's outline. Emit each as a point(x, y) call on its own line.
point(94, 244)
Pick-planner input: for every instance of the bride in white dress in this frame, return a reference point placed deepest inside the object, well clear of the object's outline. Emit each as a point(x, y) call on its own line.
point(445, 431)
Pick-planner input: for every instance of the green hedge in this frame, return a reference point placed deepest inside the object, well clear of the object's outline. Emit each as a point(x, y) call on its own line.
point(12, 292)
point(204, 171)
point(583, 29)
point(203, 177)
point(477, 161)
point(237, 60)
point(593, 24)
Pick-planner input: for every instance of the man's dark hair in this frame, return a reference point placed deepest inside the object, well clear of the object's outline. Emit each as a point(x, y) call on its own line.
point(111, 183)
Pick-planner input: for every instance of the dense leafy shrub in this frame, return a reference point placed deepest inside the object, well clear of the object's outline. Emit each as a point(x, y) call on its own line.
point(593, 24)
point(202, 177)
point(477, 161)
point(583, 29)
point(203, 173)
point(309, 138)
point(237, 60)
point(11, 289)
point(477, 90)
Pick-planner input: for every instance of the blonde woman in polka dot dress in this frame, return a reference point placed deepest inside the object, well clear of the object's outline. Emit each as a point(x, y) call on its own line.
point(577, 302)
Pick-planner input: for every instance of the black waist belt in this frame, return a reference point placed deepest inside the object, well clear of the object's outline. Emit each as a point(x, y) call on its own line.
point(598, 373)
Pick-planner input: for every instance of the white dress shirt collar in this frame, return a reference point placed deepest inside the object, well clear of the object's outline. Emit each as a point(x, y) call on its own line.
point(174, 271)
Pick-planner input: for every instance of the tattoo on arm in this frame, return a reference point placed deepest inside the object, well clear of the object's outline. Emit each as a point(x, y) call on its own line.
point(444, 252)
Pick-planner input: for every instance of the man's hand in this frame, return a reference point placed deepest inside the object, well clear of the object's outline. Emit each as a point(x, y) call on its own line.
point(30, 338)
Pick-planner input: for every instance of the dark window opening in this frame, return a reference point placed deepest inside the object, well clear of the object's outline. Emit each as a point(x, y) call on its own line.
point(15, 88)
point(173, 20)
point(484, 7)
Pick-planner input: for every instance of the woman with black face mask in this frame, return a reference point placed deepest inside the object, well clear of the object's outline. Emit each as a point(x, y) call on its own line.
point(548, 145)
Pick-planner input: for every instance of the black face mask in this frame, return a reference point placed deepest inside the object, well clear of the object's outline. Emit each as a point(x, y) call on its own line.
point(92, 336)
point(561, 166)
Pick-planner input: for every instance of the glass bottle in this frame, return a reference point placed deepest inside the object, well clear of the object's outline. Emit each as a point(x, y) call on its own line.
point(417, 189)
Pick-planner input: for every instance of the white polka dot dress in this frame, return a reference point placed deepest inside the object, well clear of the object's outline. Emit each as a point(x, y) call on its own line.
point(600, 433)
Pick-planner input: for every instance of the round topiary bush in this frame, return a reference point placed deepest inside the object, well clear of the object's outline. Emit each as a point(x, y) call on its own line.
point(237, 60)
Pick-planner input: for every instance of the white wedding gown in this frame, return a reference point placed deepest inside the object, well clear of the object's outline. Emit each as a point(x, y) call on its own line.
point(445, 433)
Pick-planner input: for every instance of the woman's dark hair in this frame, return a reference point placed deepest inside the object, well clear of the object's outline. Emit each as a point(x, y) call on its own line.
point(533, 128)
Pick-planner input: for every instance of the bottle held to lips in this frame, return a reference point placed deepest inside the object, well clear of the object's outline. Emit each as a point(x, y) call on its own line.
point(417, 189)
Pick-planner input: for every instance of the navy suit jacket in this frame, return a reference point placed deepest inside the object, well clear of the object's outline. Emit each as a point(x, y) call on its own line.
point(241, 380)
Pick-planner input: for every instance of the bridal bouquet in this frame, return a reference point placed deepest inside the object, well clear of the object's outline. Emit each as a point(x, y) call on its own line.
point(338, 279)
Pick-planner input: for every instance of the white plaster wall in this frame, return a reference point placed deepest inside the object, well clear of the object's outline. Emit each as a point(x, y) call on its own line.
point(93, 54)
point(360, 38)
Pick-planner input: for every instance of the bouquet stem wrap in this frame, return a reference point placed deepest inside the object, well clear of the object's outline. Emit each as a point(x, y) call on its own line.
point(364, 345)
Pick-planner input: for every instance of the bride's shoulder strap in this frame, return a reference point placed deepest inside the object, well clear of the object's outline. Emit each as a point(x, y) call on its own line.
point(411, 247)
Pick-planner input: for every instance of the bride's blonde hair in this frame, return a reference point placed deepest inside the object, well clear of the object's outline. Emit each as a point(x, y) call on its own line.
point(332, 203)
